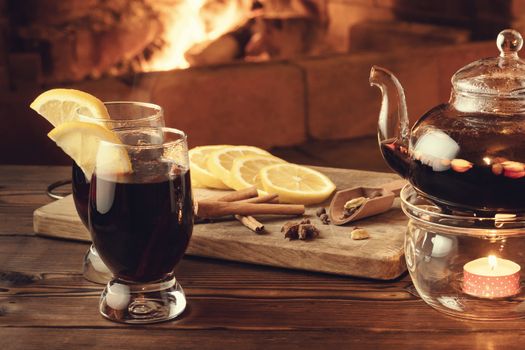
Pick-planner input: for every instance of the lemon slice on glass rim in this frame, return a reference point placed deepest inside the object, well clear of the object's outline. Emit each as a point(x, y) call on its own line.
point(220, 162)
point(60, 105)
point(81, 141)
point(296, 184)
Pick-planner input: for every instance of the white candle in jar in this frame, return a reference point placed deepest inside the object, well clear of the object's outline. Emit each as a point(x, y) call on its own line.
point(491, 277)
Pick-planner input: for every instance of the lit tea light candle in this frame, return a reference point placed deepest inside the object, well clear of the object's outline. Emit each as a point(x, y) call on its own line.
point(491, 277)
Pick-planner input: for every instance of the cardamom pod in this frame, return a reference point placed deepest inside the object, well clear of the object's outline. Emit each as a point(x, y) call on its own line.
point(355, 203)
point(359, 233)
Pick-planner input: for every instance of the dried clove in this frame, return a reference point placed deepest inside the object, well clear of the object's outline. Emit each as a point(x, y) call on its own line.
point(320, 211)
point(300, 230)
point(347, 213)
point(359, 233)
point(325, 219)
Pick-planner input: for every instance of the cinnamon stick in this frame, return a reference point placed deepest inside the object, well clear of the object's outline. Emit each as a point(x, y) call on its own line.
point(209, 209)
point(269, 198)
point(249, 195)
point(251, 223)
point(239, 195)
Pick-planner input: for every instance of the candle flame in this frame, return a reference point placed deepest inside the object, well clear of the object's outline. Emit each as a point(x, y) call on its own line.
point(493, 262)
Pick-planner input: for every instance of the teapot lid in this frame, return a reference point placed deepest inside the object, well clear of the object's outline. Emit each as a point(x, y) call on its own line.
point(502, 76)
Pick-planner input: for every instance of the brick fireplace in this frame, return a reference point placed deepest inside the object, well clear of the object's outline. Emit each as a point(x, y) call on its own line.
point(319, 94)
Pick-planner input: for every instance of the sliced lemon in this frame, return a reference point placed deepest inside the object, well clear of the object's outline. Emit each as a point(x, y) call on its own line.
point(296, 184)
point(81, 141)
point(199, 170)
point(59, 105)
point(245, 170)
point(220, 162)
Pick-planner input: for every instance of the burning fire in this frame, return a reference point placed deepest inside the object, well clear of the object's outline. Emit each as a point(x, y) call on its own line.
point(192, 22)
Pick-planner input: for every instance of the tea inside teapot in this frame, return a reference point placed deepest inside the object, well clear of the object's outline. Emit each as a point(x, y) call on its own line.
point(475, 170)
point(468, 154)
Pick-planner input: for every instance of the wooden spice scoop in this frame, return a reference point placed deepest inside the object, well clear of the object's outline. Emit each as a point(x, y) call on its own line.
point(380, 200)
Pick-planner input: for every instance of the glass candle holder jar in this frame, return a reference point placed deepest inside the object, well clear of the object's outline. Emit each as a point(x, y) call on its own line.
point(462, 264)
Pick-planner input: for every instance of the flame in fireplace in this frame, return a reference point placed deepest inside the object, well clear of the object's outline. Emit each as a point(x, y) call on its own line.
point(191, 22)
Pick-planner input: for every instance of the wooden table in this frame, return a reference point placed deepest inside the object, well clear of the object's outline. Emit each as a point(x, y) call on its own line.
point(46, 304)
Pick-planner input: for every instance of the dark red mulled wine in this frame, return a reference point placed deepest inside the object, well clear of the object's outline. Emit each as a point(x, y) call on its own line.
point(141, 226)
point(80, 188)
point(481, 184)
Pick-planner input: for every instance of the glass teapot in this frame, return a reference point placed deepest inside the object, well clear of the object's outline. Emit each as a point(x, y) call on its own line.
point(469, 153)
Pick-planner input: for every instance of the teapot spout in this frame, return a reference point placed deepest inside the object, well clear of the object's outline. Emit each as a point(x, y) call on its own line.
point(393, 125)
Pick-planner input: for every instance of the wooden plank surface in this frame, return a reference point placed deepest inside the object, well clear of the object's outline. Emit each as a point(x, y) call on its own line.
point(380, 257)
point(45, 303)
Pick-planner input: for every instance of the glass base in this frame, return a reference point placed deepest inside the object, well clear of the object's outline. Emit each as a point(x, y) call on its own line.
point(94, 269)
point(447, 296)
point(134, 303)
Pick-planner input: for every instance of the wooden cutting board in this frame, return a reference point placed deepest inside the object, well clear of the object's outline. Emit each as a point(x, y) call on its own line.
point(379, 257)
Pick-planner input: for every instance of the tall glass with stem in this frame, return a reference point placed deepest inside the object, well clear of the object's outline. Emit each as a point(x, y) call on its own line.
point(141, 220)
point(122, 114)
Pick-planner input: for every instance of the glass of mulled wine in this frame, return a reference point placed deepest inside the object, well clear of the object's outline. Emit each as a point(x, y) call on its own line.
point(123, 114)
point(141, 220)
